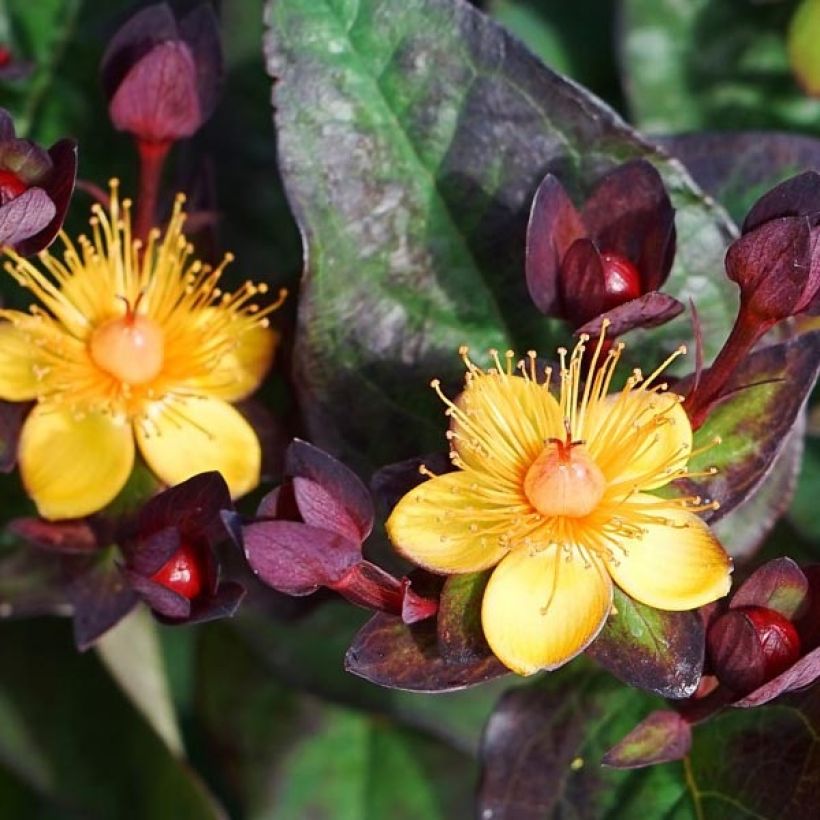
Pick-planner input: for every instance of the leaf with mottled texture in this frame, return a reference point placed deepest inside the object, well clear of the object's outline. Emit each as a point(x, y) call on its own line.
point(662, 736)
point(652, 649)
point(412, 137)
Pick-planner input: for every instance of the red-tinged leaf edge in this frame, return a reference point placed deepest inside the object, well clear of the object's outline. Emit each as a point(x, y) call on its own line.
point(74, 537)
point(779, 585)
point(661, 737)
point(392, 654)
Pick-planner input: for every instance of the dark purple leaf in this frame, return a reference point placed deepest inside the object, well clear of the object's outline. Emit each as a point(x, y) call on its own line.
point(12, 416)
point(390, 653)
point(391, 483)
point(629, 213)
point(193, 507)
point(583, 292)
point(798, 196)
point(804, 672)
point(222, 604)
point(460, 636)
point(59, 187)
point(75, 537)
point(553, 226)
point(297, 559)
point(159, 598)
point(158, 100)
point(779, 585)
point(651, 649)
point(200, 30)
point(141, 32)
point(650, 310)
point(305, 460)
point(25, 216)
point(321, 509)
point(280, 503)
point(663, 736)
point(100, 597)
point(153, 551)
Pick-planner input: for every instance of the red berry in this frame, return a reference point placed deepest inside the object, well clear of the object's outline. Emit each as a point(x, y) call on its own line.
point(11, 186)
point(778, 638)
point(622, 281)
point(750, 645)
point(181, 573)
point(5, 56)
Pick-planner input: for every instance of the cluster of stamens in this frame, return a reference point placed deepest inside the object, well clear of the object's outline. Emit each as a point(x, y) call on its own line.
point(577, 492)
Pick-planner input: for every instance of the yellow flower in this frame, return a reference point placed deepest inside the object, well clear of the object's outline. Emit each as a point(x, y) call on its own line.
point(556, 495)
point(131, 344)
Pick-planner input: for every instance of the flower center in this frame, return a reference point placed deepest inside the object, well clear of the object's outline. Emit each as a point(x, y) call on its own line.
point(564, 480)
point(131, 348)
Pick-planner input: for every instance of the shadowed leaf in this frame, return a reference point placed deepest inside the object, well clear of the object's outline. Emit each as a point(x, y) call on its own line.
point(389, 653)
point(460, 636)
point(779, 585)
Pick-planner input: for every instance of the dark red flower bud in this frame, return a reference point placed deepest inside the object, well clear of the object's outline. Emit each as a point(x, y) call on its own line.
point(162, 76)
point(617, 249)
point(749, 646)
point(35, 188)
point(181, 573)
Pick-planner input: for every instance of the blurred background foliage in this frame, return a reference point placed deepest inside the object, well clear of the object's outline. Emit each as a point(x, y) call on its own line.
point(256, 718)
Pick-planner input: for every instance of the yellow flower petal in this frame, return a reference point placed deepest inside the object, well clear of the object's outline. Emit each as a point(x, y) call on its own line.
point(677, 566)
point(73, 467)
point(540, 610)
point(503, 421)
point(241, 370)
point(440, 524)
point(17, 379)
point(639, 438)
point(195, 435)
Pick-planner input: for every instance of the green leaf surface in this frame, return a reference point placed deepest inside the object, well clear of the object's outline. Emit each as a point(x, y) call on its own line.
point(762, 762)
point(293, 756)
point(711, 64)
point(652, 649)
point(133, 655)
point(411, 138)
point(95, 755)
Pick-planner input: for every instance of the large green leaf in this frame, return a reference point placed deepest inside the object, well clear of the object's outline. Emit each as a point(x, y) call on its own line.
point(711, 64)
point(411, 138)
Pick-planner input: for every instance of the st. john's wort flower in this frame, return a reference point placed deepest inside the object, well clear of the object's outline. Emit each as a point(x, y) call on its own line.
point(131, 345)
point(558, 495)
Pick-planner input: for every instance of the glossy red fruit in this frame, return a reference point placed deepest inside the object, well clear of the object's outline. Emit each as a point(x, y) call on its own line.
point(622, 281)
point(11, 186)
point(750, 645)
point(182, 573)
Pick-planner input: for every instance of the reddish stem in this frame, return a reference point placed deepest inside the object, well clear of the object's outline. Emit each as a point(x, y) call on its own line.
point(152, 161)
point(747, 331)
